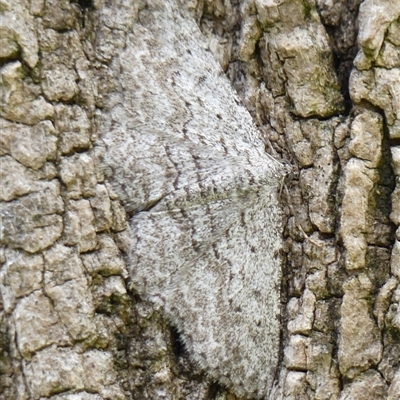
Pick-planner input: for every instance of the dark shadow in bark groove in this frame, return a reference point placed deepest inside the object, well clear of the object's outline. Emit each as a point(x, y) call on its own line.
point(340, 22)
point(84, 4)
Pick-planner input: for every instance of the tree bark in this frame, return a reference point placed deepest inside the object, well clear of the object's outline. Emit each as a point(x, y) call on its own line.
point(322, 83)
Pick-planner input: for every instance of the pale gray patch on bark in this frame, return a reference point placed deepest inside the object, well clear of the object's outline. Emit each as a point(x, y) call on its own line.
point(190, 167)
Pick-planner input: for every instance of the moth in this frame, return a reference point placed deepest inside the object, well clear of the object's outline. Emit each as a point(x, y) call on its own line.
point(191, 169)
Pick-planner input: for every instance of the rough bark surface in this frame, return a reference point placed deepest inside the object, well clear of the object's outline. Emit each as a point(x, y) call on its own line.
point(321, 80)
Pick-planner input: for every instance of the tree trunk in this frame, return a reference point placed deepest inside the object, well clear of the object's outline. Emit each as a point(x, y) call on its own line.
point(321, 80)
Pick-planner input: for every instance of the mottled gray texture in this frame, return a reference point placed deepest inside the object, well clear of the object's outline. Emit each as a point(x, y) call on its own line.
point(68, 318)
point(190, 167)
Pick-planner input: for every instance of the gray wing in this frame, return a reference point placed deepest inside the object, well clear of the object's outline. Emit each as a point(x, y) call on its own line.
point(204, 243)
point(215, 268)
point(206, 228)
point(146, 167)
